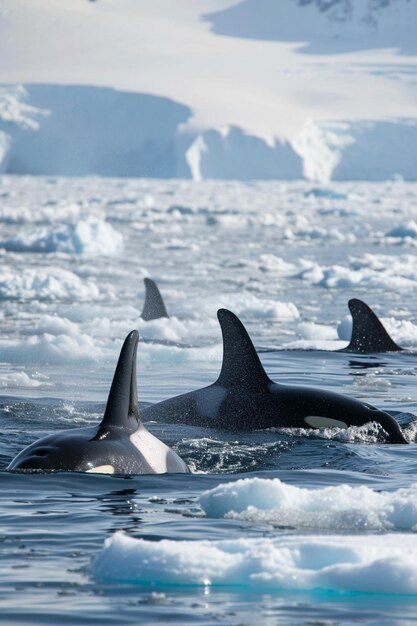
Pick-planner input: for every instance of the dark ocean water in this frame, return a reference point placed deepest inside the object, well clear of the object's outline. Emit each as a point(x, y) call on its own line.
point(286, 260)
point(53, 527)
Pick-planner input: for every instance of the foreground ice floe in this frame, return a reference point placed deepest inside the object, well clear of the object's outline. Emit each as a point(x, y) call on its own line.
point(340, 508)
point(384, 564)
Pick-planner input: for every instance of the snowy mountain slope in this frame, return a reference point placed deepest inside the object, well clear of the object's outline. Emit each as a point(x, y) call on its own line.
point(239, 98)
point(323, 26)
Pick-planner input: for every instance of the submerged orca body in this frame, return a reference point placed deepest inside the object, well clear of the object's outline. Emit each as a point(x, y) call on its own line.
point(245, 398)
point(154, 307)
point(119, 445)
point(368, 332)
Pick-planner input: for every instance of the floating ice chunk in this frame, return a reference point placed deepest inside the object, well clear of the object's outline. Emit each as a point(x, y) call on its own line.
point(52, 325)
point(315, 337)
point(49, 212)
point(19, 380)
point(407, 230)
point(93, 236)
point(45, 283)
point(403, 331)
point(321, 192)
point(310, 271)
point(272, 310)
point(338, 508)
point(48, 348)
point(272, 263)
point(167, 329)
point(374, 564)
point(208, 357)
point(318, 232)
point(371, 271)
point(310, 330)
point(344, 328)
point(90, 236)
point(85, 312)
point(245, 304)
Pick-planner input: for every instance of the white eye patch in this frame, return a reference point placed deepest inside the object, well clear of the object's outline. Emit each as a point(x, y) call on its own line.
point(101, 469)
point(317, 421)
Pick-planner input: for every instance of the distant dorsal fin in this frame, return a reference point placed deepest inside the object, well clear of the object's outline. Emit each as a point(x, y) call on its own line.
point(368, 332)
point(122, 409)
point(241, 367)
point(154, 306)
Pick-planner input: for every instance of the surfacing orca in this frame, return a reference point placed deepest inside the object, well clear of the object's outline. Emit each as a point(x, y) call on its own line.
point(119, 445)
point(244, 397)
point(368, 333)
point(154, 306)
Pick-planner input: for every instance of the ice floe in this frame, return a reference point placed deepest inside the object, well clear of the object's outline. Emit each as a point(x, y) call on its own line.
point(341, 508)
point(385, 564)
point(89, 236)
point(45, 283)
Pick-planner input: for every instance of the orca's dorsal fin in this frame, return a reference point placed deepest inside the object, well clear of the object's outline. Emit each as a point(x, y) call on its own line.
point(122, 408)
point(241, 367)
point(368, 332)
point(154, 306)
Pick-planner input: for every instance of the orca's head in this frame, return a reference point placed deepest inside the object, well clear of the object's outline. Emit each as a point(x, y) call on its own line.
point(71, 451)
point(324, 409)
